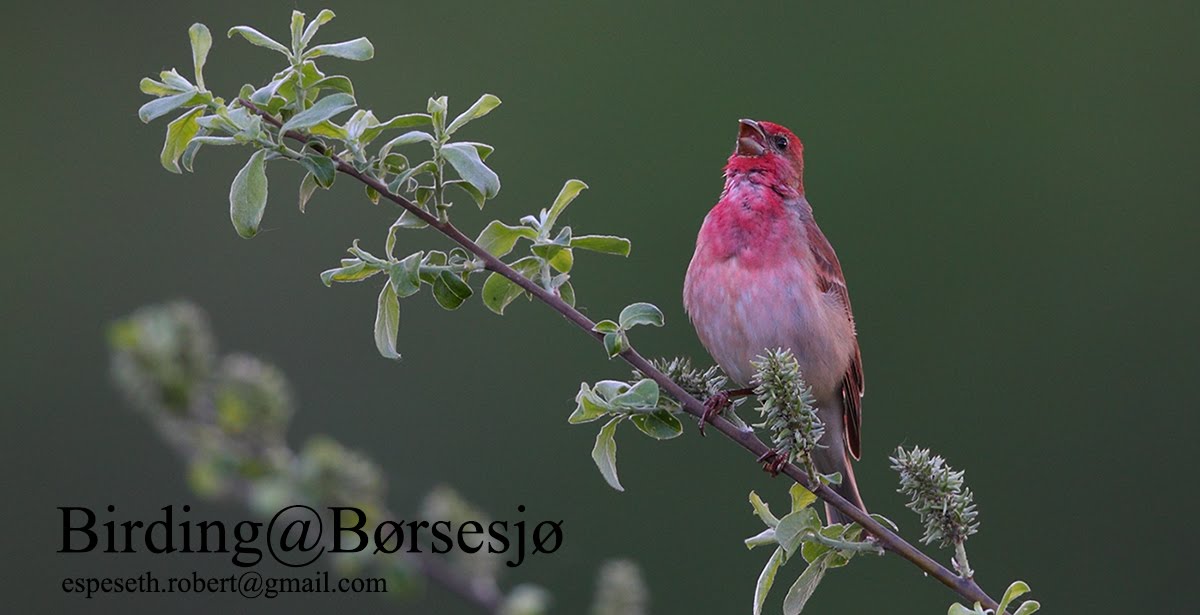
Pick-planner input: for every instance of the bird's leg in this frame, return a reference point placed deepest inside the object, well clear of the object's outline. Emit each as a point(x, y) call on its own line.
point(773, 461)
point(718, 403)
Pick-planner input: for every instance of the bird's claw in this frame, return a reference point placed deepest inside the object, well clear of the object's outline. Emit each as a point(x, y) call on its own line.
point(713, 406)
point(773, 461)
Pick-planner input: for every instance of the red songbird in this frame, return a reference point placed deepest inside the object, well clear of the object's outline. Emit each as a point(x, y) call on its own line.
point(764, 276)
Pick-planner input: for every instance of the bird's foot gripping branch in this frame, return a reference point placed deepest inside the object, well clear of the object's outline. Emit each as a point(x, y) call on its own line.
point(291, 118)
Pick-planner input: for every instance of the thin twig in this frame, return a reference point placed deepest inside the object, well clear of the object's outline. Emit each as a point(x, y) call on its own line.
point(890, 541)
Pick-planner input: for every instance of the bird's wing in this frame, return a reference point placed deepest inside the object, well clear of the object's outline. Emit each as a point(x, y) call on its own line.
point(830, 278)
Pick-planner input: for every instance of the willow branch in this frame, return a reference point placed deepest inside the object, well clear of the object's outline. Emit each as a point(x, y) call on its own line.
point(889, 540)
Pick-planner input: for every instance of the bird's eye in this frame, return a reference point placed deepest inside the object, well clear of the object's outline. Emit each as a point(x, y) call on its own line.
point(781, 142)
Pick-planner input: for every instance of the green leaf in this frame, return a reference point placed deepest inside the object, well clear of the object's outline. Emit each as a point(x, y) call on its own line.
point(793, 527)
point(499, 238)
point(484, 149)
point(1028, 607)
point(587, 406)
point(499, 291)
point(155, 88)
point(766, 579)
point(297, 30)
point(412, 136)
point(307, 187)
point(801, 497)
point(466, 161)
point(328, 129)
point(763, 510)
point(482, 107)
point(563, 260)
point(162, 106)
point(660, 424)
point(400, 121)
point(606, 326)
point(472, 191)
point(804, 586)
point(201, 43)
point(322, 168)
point(614, 344)
point(248, 196)
point(450, 290)
point(341, 83)
point(885, 522)
point(179, 134)
point(642, 395)
point(605, 453)
point(352, 270)
point(387, 322)
point(437, 109)
point(765, 537)
point(193, 147)
point(958, 609)
point(324, 17)
point(372, 194)
point(405, 275)
point(570, 190)
point(323, 109)
point(258, 38)
point(607, 244)
point(1014, 591)
point(359, 49)
point(640, 314)
point(811, 550)
point(173, 79)
point(566, 292)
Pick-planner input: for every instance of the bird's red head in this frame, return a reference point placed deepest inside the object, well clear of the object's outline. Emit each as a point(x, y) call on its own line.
point(768, 148)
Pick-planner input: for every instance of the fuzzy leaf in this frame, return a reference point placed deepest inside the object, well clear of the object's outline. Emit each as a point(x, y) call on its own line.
point(248, 196)
point(587, 406)
point(405, 275)
point(766, 579)
point(763, 510)
point(450, 290)
point(614, 344)
point(324, 17)
point(201, 43)
point(793, 527)
point(606, 326)
point(466, 161)
point(642, 395)
point(1014, 591)
point(640, 314)
point(570, 190)
point(179, 135)
point(322, 168)
point(1028, 607)
point(804, 586)
point(258, 38)
point(308, 186)
point(359, 49)
point(801, 497)
point(499, 238)
point(323, 109)
point(660, 424)
point(482, 107)
point(162, 106)
point(499, 291)
point(352, 270)
point(387, 322)
point(605, 453)
point(607, 244)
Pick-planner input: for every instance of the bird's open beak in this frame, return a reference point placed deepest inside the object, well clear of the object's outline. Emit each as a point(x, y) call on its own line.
point(752, 141)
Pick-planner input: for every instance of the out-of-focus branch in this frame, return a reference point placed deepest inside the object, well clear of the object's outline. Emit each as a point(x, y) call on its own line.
point(227, 417)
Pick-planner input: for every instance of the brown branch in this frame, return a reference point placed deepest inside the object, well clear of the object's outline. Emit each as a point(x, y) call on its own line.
point(965, 587)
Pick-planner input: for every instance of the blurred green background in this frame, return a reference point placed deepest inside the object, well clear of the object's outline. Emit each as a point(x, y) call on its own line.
point(1011, 189)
